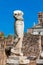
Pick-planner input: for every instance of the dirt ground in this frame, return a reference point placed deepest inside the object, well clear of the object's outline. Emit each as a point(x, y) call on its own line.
point(32, 63)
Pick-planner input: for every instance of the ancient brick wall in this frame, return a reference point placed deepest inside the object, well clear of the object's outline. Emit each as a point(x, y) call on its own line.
point(42, 40)
point(2, 55)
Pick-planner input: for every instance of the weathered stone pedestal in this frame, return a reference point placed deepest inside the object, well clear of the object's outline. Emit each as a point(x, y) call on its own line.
point(39, 62)
point(17, 60)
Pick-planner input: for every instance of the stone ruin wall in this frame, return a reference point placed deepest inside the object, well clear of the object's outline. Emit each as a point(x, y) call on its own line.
point(30, 45)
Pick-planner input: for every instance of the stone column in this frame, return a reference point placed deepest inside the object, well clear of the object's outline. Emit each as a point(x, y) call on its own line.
point(40, 48)
point(4, 55)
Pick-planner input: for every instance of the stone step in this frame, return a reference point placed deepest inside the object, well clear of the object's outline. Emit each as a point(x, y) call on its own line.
point(39, 61)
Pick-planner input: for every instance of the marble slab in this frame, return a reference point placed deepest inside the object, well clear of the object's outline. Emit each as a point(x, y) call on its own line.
point(39, 61)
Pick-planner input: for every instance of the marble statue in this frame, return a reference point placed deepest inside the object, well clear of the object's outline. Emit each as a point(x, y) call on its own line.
point(17, 57)
point(19, 31)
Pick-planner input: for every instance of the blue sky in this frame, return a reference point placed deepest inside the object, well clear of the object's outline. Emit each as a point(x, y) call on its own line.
point(29, 7)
